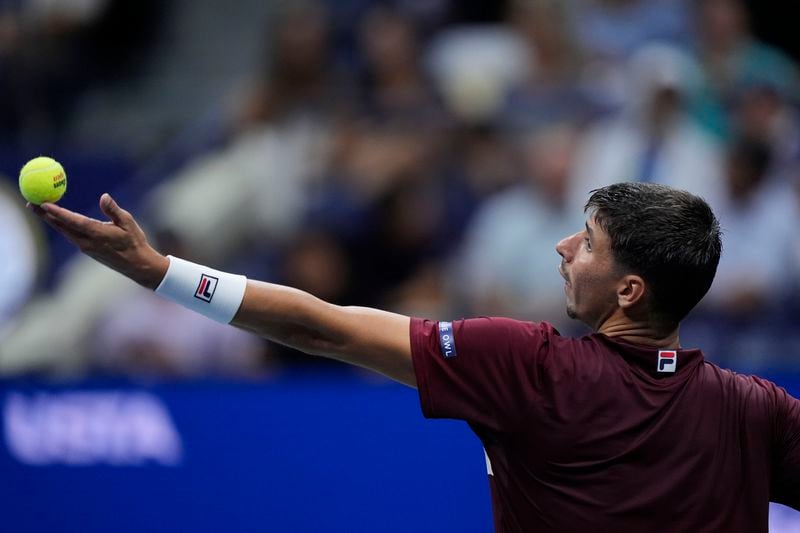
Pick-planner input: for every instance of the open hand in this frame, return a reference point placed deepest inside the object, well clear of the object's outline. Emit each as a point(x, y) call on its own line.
point(119, 243)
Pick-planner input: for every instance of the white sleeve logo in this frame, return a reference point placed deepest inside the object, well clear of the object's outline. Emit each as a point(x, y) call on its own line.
point(447, 340)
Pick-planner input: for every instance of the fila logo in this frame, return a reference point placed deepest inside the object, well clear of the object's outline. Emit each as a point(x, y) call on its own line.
point(206, 287)
point(667, 360)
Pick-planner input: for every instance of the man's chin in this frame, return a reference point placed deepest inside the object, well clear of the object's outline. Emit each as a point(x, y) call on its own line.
point(571, 312)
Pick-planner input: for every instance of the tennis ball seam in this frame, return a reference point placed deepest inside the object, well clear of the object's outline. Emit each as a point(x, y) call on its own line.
point(43, 169)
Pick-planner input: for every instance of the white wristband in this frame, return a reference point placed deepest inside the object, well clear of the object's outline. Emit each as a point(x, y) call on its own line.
point(210, 292)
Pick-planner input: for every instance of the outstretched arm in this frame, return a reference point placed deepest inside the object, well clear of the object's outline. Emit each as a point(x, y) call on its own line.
point(370, 338)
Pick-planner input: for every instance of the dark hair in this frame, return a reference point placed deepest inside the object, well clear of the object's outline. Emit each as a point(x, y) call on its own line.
point(669, 237)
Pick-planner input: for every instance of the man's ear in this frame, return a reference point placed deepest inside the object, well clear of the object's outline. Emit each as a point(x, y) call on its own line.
point(630, 291)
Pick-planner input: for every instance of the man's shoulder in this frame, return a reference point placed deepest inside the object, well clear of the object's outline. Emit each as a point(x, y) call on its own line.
point(752, 389)
point(712, 370)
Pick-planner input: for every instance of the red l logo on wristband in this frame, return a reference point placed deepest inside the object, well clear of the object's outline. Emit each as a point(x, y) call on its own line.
point(206, 287)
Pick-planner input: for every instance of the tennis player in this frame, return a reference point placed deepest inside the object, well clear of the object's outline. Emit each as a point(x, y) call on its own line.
point(620, 430)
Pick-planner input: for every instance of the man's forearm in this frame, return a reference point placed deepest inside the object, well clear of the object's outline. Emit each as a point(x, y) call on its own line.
point(289, 316)
point(370, 338)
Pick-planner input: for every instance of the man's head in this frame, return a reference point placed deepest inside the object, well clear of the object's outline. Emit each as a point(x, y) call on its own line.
point(648, 250)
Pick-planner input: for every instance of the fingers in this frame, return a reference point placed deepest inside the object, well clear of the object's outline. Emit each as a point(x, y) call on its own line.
point(69, 232)
point(74, 227)
point(89, 233)
point(113, 211)
point(69, 219)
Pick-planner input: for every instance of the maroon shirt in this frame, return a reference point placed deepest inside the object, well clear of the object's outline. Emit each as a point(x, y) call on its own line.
point(586, 434)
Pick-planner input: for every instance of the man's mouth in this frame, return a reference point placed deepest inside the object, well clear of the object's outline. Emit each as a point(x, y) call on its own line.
point(563, 274)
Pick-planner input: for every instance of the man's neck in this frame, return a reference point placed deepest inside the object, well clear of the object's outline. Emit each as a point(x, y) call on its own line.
point(639, 332)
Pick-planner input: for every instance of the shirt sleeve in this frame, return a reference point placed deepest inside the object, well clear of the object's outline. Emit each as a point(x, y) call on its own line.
point(482, 370)
point(786, 463)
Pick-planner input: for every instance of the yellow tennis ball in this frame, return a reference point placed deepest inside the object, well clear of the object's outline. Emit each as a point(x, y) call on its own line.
point(42, 179)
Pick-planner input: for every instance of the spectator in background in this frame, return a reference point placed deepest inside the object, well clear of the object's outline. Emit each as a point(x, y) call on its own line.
point(394, 87)
point(316, 262)
point(395, 127)
point(759, 215)
point(478, 162)
point(733, 59)
point(300, 77)
point(403, 238)
point(502, 268)
point(37, 83)
point(384, 203)
point(654, 139)
point(253, 189)
point(765, 113)
point(474, 68)
point(381, 194)
point(550, 92)
point(618, 28)
point(609, 32)
point(45, 44)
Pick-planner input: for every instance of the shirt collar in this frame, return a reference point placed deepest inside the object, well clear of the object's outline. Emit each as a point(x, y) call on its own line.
point(657, 362)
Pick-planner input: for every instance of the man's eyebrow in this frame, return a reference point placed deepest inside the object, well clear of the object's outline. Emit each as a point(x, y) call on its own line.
point(589, 231)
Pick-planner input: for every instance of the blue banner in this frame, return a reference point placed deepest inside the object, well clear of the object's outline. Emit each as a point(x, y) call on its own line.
point(322, 453)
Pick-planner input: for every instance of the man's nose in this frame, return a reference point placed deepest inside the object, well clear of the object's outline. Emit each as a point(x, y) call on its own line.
point(564, 247)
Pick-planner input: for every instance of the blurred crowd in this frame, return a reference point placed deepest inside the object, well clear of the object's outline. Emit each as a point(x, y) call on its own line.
point(424, 157)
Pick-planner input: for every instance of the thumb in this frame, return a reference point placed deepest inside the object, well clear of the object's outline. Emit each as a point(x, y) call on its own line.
point(118, 216)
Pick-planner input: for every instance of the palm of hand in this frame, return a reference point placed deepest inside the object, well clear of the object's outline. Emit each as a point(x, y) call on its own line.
point(119, 243)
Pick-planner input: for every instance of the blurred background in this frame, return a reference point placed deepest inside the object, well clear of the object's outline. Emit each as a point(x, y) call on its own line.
point(422, 156)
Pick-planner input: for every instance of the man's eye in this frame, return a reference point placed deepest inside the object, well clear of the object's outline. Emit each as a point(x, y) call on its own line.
point(588, 243)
